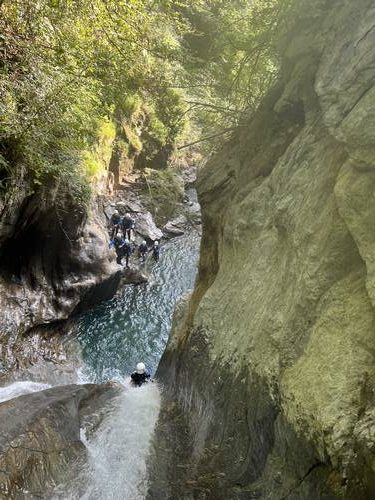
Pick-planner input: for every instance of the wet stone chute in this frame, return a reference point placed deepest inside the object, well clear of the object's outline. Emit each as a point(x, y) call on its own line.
point(117, 453)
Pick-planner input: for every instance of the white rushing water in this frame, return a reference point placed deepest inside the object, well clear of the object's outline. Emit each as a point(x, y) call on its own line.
point(117, 453)
point(20, 388)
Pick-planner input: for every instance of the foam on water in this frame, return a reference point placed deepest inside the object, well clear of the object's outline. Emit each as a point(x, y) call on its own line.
point(20, 388)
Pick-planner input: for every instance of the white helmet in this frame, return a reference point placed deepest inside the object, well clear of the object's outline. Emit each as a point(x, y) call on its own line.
point(127, 215)
point(116, 212)
point(144, 242)
point(156, 243)
point(141, 368)
point(126, 241)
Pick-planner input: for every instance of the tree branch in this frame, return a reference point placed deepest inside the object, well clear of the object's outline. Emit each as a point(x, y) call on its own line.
point(207, 138)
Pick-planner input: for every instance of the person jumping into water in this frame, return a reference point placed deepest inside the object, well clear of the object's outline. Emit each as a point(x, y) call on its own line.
point(140, 376)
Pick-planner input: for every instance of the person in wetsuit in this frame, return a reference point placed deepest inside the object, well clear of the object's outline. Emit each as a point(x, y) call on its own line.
point(123, 249)
point(128, 226)
point(115, 223)
point(127, 251)
point(142, 250)
point(118, 243)
point(140, 376)
point(156, 251)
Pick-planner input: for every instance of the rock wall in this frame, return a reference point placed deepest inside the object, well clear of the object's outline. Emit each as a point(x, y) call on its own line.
point(41, 447)
point(54, 258)
point(269, 374)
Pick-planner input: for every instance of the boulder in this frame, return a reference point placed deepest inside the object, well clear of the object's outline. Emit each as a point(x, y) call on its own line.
point(40, 438)
point(134, 206)
point(133, 276)
point(146, 228)
point(109, 211)
point(175, 227)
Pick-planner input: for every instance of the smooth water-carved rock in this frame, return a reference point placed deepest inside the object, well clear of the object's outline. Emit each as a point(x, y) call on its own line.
point(40, 442)
point(269, 378)
point(133, 276)
point(175, 227)
point(55, 260)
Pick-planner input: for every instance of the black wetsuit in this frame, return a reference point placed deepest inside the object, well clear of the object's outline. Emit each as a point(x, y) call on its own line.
point(140, 378)
point(142, 251)
point(126, 252)
point(119, 245)
point(127, 226)
point(156, 253)
point(115, 222)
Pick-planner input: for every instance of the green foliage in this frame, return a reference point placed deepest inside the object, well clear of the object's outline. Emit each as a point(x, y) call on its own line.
point(73, 73)
point(232, 61)
point(130, 106)
point(132, 137)
point(67, 69)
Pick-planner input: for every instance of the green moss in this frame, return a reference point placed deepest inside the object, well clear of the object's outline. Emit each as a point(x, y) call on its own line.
point(157, 130)
point(94, 161)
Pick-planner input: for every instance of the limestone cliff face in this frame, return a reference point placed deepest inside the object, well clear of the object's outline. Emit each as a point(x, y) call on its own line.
point(270, 371)
point(54, 258)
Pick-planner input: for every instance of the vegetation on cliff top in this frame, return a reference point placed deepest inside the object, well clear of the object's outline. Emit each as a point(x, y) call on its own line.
point(166, 73)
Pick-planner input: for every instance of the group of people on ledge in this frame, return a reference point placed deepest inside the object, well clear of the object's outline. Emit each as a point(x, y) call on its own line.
point(122, 235)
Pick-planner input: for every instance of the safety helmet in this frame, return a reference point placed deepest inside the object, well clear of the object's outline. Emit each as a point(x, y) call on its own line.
point(116, 212)
point(126, 241)
point(141, 368)
point(144, 242)
point(156, 243)
point(127, 215)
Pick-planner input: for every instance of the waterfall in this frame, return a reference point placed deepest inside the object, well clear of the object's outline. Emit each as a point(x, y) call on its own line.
point(116, 468)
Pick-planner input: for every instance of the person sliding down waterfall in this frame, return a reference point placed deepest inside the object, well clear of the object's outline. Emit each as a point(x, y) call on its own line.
point(156, 251)
point(140, 376)
point(128, 226)
point(142, 251)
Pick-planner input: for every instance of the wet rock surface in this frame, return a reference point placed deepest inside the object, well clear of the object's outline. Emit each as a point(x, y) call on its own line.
point(39, 446)
point(175, 227)
point(269, 377)
point(55, 261)
point(133, 276)
point(146, 228)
